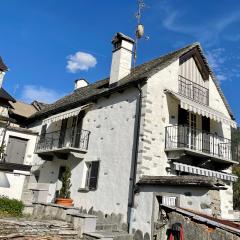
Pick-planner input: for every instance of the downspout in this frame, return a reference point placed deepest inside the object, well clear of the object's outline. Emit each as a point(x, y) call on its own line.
point(135, 158)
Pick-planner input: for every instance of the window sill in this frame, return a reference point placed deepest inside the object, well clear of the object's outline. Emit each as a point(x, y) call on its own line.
point(83, 190)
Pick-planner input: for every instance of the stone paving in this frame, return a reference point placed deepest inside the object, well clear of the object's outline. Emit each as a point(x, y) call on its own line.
point(28, 229)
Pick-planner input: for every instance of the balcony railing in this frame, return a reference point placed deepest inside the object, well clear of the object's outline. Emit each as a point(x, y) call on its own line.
point(77, 139)
point(185, 137)
point(193, 90)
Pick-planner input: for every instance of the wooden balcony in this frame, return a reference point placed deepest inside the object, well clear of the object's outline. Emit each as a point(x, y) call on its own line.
point(198, 143)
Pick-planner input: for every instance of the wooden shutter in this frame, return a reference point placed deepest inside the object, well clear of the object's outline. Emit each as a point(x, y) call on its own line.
point(43, 131)
point(78, 130)
point(93, 179)
point(62, 133)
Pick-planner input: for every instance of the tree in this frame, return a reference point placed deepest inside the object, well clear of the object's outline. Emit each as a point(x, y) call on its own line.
point(66, 184)
point(236, 168)
point(236, 188)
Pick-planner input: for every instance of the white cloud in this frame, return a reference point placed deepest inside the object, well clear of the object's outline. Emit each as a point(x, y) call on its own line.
point(216, 58)
point(207, 32)
point(39, 93)
point(80, 61)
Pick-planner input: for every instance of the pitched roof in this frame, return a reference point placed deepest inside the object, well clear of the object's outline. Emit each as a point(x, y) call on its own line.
point(6, 96)
point(188, 180)
point(227, 225)
point(3, 67)
point(22, 109)
point(141, 72)
point(39, 105)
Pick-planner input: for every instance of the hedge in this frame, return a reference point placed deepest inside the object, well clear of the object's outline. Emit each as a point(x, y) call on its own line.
point(11, 207)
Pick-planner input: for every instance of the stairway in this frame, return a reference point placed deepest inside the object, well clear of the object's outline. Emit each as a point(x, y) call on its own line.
point(27, 229)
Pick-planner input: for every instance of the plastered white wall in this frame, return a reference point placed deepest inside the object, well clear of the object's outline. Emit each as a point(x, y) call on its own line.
point(111, 123)
point(16, 182)
point(145, 210)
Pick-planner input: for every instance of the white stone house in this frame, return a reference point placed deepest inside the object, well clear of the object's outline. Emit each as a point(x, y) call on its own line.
point(156, 134)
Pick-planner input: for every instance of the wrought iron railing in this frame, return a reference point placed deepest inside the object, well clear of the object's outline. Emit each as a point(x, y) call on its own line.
point(181, 136)
point(74, 138)
point(193, 91)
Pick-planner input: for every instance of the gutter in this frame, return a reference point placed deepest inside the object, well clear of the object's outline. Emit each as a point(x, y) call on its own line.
point(135, 158)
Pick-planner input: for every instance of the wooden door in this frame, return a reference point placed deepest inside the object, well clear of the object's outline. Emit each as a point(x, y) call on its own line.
point(16, 149)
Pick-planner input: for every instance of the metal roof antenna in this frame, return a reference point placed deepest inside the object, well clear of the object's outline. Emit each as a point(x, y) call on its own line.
point(139, 30)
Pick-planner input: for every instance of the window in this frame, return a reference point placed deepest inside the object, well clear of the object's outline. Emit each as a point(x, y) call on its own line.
point(92, 175)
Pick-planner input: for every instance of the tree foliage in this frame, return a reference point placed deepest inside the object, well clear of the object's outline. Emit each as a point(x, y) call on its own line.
point(236, 170)
point(66, 184)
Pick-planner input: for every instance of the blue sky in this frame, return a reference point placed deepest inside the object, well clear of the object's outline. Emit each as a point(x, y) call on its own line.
point(48, 44)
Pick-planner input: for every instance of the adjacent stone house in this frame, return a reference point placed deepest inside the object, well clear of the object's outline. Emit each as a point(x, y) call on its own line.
point(156, 134)
point(17, 142)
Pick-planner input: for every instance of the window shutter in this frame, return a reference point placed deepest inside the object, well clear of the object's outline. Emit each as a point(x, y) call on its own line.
point(93, 175)
point(43, 132)
point(78, 129)
point(62, 133)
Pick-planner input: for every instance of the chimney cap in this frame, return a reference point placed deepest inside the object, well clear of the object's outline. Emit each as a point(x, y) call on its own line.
point(79, 83)
point(81, 79)
point(120, 36)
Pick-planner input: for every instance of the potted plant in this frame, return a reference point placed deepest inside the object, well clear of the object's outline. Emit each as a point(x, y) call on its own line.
point(64, 195)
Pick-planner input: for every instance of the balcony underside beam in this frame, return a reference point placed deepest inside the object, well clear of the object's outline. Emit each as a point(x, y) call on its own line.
point(179, 152)
point(61, 153)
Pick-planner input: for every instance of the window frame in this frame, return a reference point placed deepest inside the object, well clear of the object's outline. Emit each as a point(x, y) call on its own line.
point(88, 175)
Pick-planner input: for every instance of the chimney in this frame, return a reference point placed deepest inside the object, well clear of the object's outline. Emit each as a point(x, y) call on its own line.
point(1, 78)
point(121, 57)
point(3, 69)
point(79, 83)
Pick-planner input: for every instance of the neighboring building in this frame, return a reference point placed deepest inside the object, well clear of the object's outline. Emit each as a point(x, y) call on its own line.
point(159, 133)
point(17, 141)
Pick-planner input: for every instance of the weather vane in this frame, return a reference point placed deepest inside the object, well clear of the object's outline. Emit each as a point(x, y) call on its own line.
point(139, 29)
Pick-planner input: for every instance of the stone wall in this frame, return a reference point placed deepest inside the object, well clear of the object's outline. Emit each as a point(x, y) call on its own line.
point(199, 231)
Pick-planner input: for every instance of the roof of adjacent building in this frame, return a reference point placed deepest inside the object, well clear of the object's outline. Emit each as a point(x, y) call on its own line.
point(5, 95)
point(22, 109)
point(141, 72)
point(188, 180)
point(39, 105)
point(206, 219)
point(3, 67)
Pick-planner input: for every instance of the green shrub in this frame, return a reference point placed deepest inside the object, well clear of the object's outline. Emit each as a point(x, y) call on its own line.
point(66, 184)
point(10, 207)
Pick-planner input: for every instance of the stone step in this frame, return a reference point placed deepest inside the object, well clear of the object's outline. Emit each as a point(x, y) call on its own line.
point(106, 227)
point(106, 235)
